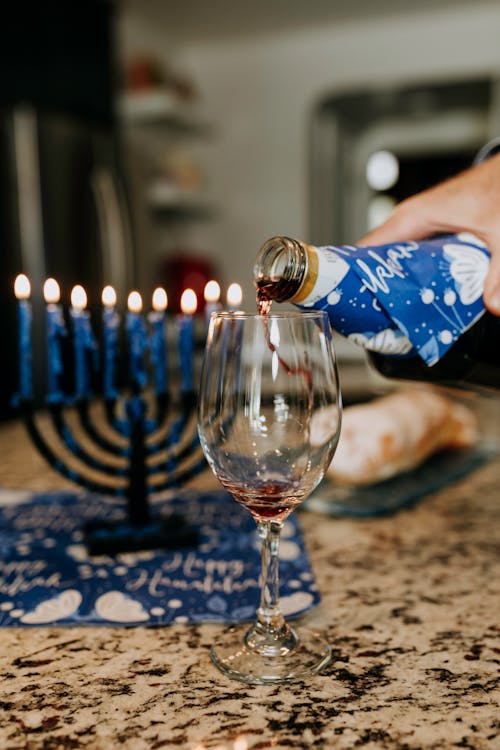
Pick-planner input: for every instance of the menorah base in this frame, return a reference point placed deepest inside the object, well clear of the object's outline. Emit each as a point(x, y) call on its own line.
point(112, 537)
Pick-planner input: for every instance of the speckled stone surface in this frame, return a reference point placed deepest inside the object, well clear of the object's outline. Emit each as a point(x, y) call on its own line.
point(411, 605)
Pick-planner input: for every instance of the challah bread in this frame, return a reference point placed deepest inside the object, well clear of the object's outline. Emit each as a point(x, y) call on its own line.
point(397, 432)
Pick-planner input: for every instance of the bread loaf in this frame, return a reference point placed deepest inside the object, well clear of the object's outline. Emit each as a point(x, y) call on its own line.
point(397, 432)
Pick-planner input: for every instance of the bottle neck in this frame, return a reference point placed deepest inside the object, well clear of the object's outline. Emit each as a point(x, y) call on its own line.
point(283, 268)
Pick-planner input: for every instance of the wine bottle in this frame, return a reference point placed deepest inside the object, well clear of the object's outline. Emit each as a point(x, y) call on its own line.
point(451, 339)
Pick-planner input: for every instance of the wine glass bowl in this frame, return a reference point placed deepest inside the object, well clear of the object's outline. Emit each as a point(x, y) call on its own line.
point(269, 421)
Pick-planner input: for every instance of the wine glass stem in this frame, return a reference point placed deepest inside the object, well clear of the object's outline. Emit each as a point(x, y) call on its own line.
point(270, 636)
point(269, 615)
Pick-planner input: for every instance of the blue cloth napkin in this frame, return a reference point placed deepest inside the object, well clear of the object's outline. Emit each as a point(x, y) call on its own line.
point(404, 298)
point(48, 578)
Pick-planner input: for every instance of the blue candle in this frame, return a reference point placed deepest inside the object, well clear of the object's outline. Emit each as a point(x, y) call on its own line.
point(110, 324)
point(158, 346)
point(83, 341)
point(211, 294)
point(234, 297)
point(22, 290)
point(186, 338)
point(56, 329)
point(137, 340)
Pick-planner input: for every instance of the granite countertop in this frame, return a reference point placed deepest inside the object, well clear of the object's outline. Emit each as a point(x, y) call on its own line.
point(411, 605)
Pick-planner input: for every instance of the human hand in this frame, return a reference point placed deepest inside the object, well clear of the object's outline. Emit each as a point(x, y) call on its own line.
point(468, 202)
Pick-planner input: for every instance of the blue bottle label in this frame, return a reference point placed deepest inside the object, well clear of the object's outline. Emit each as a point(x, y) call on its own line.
point(404, 298)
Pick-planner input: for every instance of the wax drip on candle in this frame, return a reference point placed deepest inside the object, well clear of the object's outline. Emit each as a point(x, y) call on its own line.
point(22, 291)
point(234, 296)
point(56, 330)
point(110, 324)
point(84, 343)
point(157, 320)
point(211, 295)
point(186, 338)
point(137, 340)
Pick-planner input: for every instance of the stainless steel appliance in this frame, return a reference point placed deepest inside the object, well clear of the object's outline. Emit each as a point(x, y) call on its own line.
point(62, 201)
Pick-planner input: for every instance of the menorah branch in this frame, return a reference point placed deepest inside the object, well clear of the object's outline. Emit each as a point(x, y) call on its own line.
point(93, 432)
point(57, 462)
point(66, 434)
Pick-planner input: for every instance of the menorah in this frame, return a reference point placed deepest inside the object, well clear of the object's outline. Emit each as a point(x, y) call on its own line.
point(130, 443)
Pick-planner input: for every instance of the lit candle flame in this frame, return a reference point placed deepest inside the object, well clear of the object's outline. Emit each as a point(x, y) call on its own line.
point(78, 297)
point(134, 302)
point(22, 286)
point(189, 303)
point(211, 292)
point(160, 299)
point(108, 296)
point(51, 292)
point(234, 295)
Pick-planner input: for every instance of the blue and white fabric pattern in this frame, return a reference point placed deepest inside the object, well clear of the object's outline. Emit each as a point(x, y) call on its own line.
point(405, 298)
point(48, 578)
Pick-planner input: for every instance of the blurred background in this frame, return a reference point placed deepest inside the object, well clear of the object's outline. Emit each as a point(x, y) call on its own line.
point(148, 142)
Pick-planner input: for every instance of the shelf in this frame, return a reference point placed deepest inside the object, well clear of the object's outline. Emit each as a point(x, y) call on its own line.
point(158, 121)
point(160, 107)
point(167, 199)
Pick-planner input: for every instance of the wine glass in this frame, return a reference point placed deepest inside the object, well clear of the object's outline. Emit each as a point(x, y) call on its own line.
point(269, 422)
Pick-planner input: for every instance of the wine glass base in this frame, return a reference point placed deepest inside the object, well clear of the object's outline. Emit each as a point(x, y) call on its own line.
point(240, 662)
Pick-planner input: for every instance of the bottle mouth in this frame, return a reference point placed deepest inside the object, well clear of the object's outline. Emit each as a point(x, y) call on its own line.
point(280, 260)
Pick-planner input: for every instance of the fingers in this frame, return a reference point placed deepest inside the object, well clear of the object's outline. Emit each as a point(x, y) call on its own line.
point(409, 221)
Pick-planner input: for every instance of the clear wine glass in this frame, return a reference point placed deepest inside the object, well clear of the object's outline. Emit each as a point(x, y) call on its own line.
point(269, 422)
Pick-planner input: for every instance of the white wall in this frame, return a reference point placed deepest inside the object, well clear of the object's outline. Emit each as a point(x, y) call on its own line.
point(260, 92)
